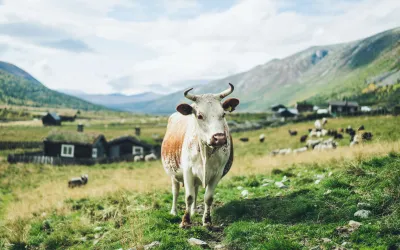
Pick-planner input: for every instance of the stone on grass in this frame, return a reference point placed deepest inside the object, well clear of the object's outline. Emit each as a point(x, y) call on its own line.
point(362, 213)
point(220, 247)
point(239, 187)
point(197, 242)
point(328, 192)
point(330, 174)
point(245, 193)
point(326, 240)
point(317, 181)
point(354, 224)
point(152, 245)
point(319, 176)
point(268, 181)
point(280, 185)
point(265, 184)
point(284, 179)
point(97, 229)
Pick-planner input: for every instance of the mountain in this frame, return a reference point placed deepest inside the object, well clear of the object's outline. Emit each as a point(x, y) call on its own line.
point(17, 87)
point(115, 100)
point(319, 74)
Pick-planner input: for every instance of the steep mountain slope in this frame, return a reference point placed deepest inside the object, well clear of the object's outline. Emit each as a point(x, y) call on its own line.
point(319, 73)
point(116, 100)
point(17, 87)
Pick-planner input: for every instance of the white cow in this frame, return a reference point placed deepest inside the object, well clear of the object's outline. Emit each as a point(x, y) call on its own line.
point(198, 150)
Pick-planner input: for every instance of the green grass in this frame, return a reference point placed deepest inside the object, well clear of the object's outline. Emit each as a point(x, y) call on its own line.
point(270, 218)
point(133, 210)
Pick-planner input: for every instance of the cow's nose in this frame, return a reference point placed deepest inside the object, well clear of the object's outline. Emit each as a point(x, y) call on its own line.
point(218, 139)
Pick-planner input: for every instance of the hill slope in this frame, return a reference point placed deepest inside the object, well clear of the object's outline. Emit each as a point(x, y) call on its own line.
point(320, 73)
point(116, 100)
point(17, 87)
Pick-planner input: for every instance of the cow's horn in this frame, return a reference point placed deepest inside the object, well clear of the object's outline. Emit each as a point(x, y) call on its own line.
point(190, 96)
point(227, 92)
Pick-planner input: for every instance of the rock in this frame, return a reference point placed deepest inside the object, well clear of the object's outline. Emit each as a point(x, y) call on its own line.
point(284, 179)
point(354, 224)
point(220, 247)
point(330, 174)
point(316, 248)
point(317, 182)
point(268, 181)
point(197, 242)
point(245, 193)
point(95, 242)
point(319, 176)
point(326, 240)
point(265, 184)
point(363, 205)
point(328, 192)
point(97, 229)
point(152, 245)
point(362, 214)
point(83, 239)
point(239, 187)
point(346, 244)
point(120, 249)
point(280, 185)
point(278, 194)
point(96, 236)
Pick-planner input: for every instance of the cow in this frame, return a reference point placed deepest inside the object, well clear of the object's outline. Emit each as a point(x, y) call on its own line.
point(197, 149)
point(78, 181)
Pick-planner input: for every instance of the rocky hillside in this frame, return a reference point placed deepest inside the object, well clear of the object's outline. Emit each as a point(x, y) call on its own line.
point(319, 73)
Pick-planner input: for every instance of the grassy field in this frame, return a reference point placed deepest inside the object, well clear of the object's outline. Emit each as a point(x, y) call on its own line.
point(126, 204)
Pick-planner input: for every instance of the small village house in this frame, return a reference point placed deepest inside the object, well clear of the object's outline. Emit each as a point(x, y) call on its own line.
point(128, 145)
point(285, 113)
point(75, 145)
point(51, 119)
point(68, 117)
point(337, 107)
point(304, 107)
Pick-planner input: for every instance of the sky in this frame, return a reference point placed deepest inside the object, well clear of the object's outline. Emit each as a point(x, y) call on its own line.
point(134, 46)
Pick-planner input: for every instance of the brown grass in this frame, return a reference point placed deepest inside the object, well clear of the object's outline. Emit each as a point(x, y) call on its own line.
point(51, 195)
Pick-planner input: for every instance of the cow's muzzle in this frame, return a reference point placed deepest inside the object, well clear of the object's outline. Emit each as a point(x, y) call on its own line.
point(218, 140)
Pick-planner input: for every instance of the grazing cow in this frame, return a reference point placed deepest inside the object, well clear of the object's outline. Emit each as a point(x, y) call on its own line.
point(361, 128)
point(244, 139)
point(313, 143)
point(150, 157)
point(198, 149)
point(262, 138)
point(320, 124)
point(338, 136)
point(78, 181)
point(303, 138)
point(138, 158)
point(292, 132)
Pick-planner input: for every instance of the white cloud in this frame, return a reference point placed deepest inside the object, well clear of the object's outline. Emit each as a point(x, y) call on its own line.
point(164, 50)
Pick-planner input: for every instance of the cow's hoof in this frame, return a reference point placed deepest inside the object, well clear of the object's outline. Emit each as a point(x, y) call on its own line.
point(185, 225)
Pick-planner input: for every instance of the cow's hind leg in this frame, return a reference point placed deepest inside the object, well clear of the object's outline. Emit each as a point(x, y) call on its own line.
point(189, 197)
point(193, 209)
point(175, 194)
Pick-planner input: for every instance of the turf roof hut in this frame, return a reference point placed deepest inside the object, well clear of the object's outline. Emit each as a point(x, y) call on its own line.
point(75, 145)
point(51, 119)
point(128, 145)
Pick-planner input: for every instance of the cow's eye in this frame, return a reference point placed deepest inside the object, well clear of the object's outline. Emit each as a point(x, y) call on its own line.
point(200, 117)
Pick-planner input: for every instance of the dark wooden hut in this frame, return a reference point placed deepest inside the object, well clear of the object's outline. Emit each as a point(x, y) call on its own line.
point(51, 119)
point(128, 145)
point(75, 145)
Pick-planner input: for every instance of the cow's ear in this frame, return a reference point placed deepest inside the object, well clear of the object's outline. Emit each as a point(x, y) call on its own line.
point(184, 109)
point(230, 104)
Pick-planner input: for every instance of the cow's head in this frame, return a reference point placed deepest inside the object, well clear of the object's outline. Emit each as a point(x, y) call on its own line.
point(209, 114)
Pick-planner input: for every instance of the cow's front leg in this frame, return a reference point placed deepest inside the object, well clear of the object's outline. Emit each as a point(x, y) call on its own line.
point(189, 198)
point(208, 200)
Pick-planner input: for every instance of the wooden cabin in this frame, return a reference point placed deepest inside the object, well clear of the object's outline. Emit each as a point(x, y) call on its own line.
point(128, 145)
point(51, 119)
point(75, 145)
point(338, 107)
